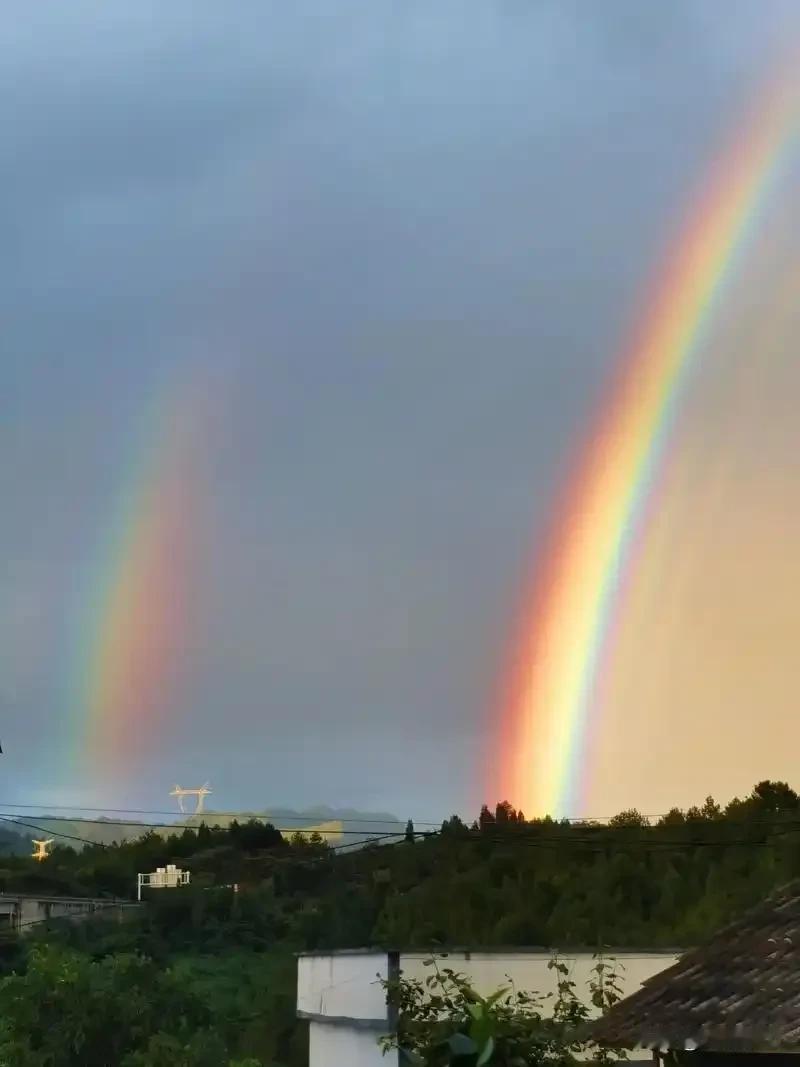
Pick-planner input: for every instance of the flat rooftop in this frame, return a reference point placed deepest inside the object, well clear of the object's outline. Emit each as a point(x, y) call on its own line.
point(501, 950)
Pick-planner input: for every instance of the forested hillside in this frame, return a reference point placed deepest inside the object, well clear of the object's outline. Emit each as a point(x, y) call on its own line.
point(500, 881)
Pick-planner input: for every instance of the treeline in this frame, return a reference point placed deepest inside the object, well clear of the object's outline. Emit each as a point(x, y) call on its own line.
point(505, 880)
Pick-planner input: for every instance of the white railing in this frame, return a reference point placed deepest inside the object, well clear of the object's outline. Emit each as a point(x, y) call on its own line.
point(169, 877)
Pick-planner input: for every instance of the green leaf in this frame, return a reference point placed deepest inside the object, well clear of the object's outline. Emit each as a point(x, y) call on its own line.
point(414, 1058)
point(486, 1055)
point(461, 1045)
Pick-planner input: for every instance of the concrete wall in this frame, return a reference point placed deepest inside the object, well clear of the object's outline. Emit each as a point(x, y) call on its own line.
point(343, 985)
point(529, 971)
point(338, 1046)
point(342, 998)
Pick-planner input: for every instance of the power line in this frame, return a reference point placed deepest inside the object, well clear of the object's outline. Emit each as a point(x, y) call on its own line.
point(305, 820)
point(111, 823)
point(601, 837)
point(520, 836)
point(356, 847)
point(13, 820)
point(598, 845)
point(44, 809)
point(595, 825)
point(601, 841)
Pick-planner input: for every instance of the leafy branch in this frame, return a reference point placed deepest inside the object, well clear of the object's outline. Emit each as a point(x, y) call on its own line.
point(443, 1020)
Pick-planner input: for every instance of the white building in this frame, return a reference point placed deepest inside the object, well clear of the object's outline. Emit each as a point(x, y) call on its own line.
point(341, 996)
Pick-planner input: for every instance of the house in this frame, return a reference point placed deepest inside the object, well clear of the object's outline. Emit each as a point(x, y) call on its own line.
point(22, 911)
point(341, 996)
point(735, 1000)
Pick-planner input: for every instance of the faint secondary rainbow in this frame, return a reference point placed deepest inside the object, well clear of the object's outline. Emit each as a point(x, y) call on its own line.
point(557, 667)
point(136, 624)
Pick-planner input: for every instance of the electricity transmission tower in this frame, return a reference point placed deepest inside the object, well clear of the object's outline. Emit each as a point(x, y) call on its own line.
point(40, 848)
point(199, 794)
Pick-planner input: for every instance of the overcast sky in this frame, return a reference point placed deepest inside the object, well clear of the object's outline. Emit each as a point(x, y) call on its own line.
point(409, 237)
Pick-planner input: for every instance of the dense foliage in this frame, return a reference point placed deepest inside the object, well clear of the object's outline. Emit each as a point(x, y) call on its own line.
point(503, 880)
point(66, 1008)
point(443, 1020)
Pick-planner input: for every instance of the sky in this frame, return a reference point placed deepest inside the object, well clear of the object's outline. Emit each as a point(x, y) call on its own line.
point(397, 248)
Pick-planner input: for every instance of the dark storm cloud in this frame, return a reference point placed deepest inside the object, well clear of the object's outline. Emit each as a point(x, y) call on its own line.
point(418, 232)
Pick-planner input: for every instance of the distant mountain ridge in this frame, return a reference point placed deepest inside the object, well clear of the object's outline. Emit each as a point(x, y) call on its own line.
point(323, 811)
point(337, 826)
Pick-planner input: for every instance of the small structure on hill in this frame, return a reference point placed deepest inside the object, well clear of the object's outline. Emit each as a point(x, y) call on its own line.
point(169, 877)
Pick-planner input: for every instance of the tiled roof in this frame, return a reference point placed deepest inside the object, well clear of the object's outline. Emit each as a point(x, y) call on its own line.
point(740, 992)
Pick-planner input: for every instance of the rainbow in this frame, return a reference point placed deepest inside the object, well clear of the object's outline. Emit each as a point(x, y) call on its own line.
point(551, 686)
point(134, 633)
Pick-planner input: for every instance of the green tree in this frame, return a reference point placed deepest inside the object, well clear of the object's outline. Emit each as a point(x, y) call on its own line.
point(68, 1009)
point(674, 817)
point(630, 819)
point(774, 797)
point(486, 820)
